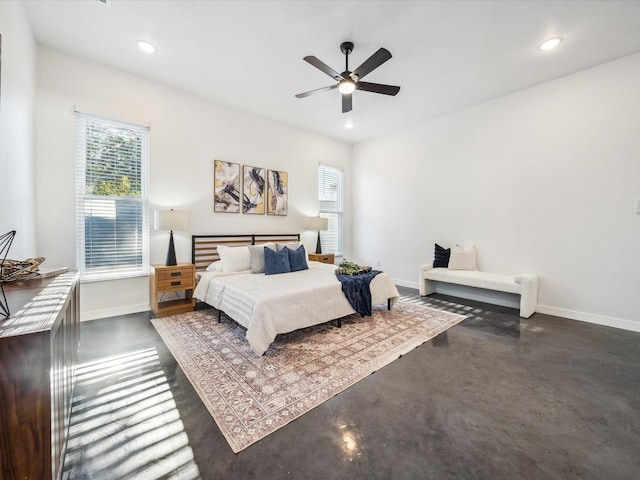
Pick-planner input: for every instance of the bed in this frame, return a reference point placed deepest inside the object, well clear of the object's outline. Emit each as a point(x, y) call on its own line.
point(268, 305)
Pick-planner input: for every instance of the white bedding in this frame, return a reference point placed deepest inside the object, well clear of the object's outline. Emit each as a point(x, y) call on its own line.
point(268, 305)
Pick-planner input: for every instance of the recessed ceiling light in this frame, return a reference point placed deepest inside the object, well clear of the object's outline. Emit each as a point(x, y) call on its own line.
point(349, 124)
point(146, 46)
point(551, 43)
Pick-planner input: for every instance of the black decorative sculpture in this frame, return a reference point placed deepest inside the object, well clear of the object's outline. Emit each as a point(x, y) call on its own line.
point(5, 245)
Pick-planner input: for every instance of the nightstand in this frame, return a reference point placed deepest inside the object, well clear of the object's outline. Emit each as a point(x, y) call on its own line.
point(167, 279)
point(322, 257)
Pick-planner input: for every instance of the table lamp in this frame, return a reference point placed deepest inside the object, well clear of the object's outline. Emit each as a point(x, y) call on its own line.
point(317, 223)
point(171, 220)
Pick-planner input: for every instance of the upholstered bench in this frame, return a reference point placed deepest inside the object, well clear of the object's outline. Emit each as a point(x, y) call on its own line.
point(524, 284)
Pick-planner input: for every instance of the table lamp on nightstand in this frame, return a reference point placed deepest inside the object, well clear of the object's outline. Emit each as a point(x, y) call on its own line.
point(171, 220)
point(317, 223)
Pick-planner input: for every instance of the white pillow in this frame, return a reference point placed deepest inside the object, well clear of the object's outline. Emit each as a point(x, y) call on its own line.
point(290, 246)
point(215, 266)
point(462, 258)
point(234, 259)
point(256, 253)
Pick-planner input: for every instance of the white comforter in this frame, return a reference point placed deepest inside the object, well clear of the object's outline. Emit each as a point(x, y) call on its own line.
point(271, 304)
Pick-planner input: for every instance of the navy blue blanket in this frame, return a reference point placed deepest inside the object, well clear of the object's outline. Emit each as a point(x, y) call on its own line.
point(356, 289)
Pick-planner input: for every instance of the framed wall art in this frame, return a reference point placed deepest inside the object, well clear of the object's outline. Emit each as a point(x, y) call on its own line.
point(254, 184)
point(226, 187)
point(277, 188)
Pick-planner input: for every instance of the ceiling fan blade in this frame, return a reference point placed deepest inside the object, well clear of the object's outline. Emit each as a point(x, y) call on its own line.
point(346, 102)
point(378, 88)
point(324, 67)
point(373, 62)
point(317, 90)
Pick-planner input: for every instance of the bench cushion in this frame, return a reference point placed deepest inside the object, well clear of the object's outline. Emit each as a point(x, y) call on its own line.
point(491, 281)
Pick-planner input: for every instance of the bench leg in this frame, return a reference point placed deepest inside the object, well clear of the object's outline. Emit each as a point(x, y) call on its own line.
point(427, 287)
point(527, 307)
point(528, 295)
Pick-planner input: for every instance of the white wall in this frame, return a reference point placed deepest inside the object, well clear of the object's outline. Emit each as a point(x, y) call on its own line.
point(544, 180)
point(187, 134)
point(17, 127)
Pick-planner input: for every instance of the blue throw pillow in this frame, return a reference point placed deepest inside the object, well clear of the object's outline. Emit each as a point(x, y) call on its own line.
point(276, 262)
point(297, 258)
point(441, 257)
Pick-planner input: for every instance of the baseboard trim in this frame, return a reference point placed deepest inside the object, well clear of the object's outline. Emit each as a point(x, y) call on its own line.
point(114, 312)
point(590, 318)
point(555, 311)
point(404, 283)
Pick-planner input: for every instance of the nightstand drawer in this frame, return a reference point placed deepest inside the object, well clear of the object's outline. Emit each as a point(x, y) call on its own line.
point(322, 257)
point(175, 274)
point(175, 283)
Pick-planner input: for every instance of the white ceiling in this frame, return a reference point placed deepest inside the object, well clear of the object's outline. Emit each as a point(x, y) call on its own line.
point(447, 55)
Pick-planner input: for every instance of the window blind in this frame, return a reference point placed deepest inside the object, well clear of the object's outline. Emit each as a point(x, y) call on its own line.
point(330, 206)
point(111, 198)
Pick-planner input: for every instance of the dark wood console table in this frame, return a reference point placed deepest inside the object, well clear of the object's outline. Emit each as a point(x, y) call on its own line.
point(38, 355)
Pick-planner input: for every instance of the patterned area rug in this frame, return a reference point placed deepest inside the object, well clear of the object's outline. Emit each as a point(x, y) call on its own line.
point(250, 397)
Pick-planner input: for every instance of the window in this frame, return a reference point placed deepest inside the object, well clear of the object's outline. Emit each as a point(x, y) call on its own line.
point(111, 198)
point(330, 199)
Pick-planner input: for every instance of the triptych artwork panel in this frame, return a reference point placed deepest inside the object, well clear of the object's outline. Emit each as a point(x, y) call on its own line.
point(247, 189)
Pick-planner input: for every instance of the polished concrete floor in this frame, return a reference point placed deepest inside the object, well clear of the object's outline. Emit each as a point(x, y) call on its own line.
point(494, 397)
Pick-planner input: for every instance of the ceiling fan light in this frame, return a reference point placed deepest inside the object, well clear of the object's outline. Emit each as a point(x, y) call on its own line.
point(346, 87)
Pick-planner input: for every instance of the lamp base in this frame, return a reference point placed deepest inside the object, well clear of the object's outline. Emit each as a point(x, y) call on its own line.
point(171, 253)
point(318, 244)
point(4, 305)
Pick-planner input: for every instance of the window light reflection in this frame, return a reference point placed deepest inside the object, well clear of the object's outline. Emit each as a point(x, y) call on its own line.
point(125, 422)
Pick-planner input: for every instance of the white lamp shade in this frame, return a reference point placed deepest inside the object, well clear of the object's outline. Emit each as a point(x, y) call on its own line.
point(317, 223)
point(171, 220)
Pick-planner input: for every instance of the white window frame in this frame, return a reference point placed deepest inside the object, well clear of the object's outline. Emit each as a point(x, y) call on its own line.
point(335, 215)
point(85, 201)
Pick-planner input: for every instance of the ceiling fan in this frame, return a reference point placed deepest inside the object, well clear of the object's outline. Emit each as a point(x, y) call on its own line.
point(349, 81)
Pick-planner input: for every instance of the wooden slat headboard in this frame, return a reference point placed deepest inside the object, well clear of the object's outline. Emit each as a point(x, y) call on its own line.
point(204, 248)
